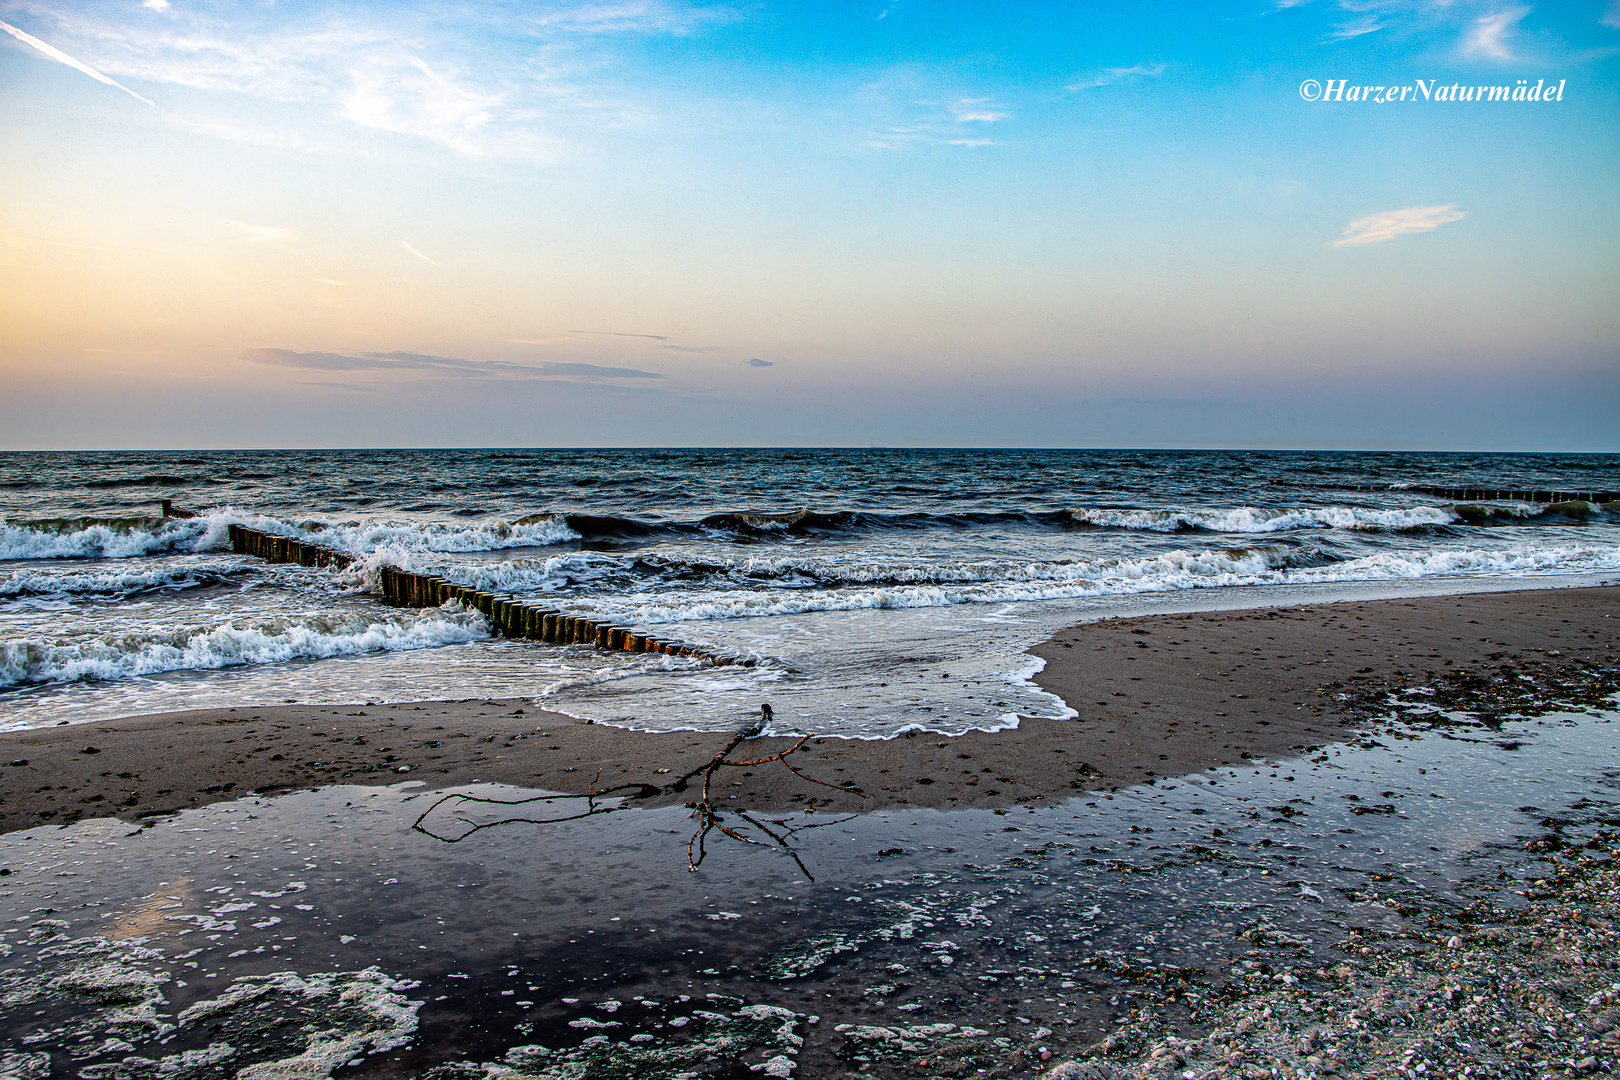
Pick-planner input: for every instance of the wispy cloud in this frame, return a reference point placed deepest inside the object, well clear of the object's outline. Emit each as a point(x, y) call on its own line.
point(1611, 17)
point(1109, 76)
point(895, 136)
point(418, 254)
point(1388, 224)
point(620, 333)
point(62, 57)
point(976, 112)
point(1488, 35)
point(155, 5)
point(450, 366)
point(632, 16)
point(479, 90)
point(1367, 24)
point(406, 96)
point(757, 362)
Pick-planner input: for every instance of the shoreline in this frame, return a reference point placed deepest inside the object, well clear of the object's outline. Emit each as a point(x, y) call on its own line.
point(1156, 695)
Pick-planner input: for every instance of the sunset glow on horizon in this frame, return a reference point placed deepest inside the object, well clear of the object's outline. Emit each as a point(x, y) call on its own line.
point(905, 223)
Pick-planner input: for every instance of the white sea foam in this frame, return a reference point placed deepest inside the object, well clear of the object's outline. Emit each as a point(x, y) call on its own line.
point(98, 541)
point(539, 574)
point(210, 532)
point(47, 582)
point(1166, 572)
point(370, 536)
point(793, 572)
point(1258, 519)
point(117, 656)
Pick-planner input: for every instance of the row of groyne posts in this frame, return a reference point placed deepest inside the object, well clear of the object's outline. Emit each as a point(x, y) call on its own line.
point(507, 615)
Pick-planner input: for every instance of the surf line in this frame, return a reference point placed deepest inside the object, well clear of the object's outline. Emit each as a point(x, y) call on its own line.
point(1552, 498)
point(508, 616)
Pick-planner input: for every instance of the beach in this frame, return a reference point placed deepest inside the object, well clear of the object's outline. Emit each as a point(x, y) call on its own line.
point(1307, 841)
point(1157, 697)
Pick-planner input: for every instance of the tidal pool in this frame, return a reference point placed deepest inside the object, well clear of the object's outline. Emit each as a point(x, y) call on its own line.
point(318, 933)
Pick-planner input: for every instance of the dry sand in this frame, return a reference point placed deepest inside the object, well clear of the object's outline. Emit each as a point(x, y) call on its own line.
point(1157, 696)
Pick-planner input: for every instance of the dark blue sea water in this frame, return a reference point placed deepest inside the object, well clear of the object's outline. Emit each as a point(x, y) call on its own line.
point(858, 577)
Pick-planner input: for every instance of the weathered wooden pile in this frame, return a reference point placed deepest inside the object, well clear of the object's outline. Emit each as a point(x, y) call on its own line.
point(515, 618)
point(273, 548)
point(507, 615)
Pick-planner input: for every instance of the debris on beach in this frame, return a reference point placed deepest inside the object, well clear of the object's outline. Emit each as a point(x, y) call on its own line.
point(1506, 987)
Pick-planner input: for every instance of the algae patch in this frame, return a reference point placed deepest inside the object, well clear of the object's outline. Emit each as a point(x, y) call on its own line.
point(706, 1041)
point(100, 1007)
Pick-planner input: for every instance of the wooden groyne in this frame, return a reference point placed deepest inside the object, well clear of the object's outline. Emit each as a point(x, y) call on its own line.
point(273, 548)
point(507, 615)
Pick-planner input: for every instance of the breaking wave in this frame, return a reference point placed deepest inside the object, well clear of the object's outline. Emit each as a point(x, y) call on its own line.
point(363, 538)
point(111, 538)
point(118, 656)
point(1257, 519)
point(46, 582)
point(1167, 572)
point(124, 538)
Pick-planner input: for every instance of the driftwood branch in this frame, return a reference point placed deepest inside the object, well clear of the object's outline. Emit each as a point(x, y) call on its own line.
point(704, 813)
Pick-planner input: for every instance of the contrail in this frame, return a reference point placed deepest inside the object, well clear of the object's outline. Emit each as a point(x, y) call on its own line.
point(58, 54)
point(418, 254)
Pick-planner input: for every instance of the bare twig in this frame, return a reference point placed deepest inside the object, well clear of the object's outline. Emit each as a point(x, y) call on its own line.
point(703, 810)
point(590, 802)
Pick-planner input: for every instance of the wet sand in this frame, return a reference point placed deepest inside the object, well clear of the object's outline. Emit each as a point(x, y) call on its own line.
point(1156, 696)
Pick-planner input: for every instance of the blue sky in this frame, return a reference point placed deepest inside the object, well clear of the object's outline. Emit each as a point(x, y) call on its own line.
point(909, 223)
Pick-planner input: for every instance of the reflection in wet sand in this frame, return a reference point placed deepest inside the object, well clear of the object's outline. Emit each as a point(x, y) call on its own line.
point(319, 929)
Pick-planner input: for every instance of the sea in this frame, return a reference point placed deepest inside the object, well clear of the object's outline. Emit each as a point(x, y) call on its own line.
point(876, 590)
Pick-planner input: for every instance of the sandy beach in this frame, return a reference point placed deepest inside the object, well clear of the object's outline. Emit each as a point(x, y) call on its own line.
point(1408, 867)
point(1157, 697)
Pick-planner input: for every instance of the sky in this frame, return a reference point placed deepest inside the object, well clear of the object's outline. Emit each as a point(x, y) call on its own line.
point(898, 222)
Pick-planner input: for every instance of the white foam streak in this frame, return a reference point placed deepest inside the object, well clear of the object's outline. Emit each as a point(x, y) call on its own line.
point(49, 582)
point(1162, 573)
point(98, 541)
point(527, 575)
point(371, 536)
point(1257, 519)
point(210, 532)
point(117, 656)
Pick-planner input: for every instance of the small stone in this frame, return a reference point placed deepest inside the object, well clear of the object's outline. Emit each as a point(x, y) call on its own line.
point(89, 750)
point(1587, 1064)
